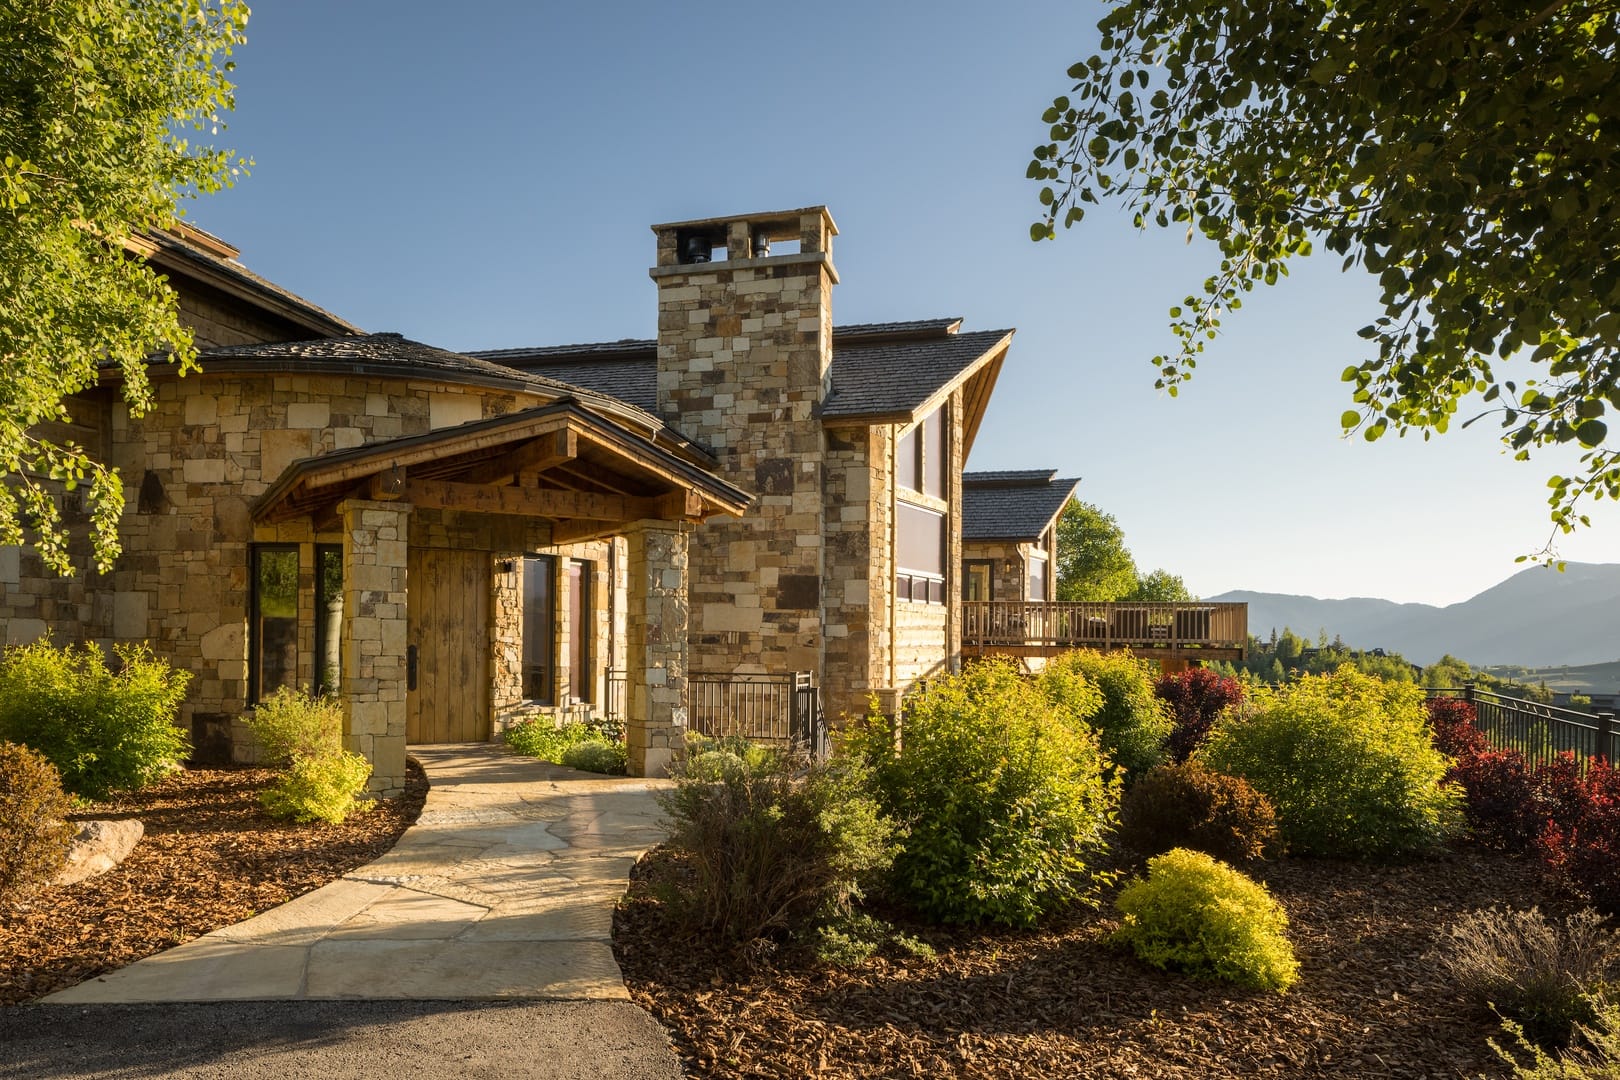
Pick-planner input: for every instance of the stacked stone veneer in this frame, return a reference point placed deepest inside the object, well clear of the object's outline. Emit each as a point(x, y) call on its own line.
point(744, 350)
point(374, 634)
point(657, 606)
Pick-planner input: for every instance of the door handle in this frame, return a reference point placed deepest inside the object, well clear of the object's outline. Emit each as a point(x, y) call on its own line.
point(410, 667)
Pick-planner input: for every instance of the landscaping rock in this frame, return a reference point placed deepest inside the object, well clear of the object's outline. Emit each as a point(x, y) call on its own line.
point(98, 847)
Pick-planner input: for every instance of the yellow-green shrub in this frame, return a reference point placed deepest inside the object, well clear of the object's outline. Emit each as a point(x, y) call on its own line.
point(304, 733)
point(1347, 763)
point(1006, 802)
point(34, 835)
point(103, 730)
point(1195, 914)
point(1133, 722)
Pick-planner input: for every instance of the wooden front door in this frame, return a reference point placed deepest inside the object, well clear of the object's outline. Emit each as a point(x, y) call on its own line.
point(448, 595)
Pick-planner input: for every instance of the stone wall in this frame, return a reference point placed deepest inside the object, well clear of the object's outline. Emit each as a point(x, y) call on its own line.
point(859, 569)
point(1009, 577)
point(744, 350)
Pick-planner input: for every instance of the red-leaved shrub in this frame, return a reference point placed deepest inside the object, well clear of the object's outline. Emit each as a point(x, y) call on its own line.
point(1497, 789)
point(1451, 721)
point(1196, 696)
point(1582, 843)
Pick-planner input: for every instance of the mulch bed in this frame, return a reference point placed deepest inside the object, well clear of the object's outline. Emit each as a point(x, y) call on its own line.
point(1061, 1002)
point(210, 857)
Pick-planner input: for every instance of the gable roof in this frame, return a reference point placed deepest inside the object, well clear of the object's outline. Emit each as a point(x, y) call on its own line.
point(893, 372)
point(189, 251)
point(1013, 505)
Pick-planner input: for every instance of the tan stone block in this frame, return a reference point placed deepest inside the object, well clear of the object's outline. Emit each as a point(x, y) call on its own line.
point(279, 448)
point(224, 642)
point(204, 471)
point(201, 409)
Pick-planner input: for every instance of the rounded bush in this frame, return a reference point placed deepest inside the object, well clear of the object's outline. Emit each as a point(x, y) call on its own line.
point(1007, 805)
point(34, 834)
point(1347, 763)
point(1196, 698)
point(1133, 723)
point(104, 731)
point(326, 787)
point(594, 755)
point(1195, 914)
point(772, 842)
point(1189, 806)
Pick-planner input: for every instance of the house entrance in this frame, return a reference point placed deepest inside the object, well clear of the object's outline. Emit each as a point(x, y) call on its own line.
point(448, 638)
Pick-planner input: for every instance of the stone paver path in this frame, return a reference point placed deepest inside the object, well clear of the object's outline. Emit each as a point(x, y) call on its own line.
point(504, 888)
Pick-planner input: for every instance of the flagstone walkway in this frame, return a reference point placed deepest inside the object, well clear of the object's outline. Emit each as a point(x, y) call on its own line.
point(503, 889)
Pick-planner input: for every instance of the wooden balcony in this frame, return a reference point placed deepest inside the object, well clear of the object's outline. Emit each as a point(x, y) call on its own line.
point(1180, 631)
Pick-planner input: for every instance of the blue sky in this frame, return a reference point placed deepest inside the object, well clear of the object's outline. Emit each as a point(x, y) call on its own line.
point(479, 176)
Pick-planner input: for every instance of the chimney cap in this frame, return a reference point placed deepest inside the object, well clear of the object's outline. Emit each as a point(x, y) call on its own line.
point(775, 224)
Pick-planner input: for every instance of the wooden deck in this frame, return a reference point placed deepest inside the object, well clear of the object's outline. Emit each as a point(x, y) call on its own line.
point(1181, 631)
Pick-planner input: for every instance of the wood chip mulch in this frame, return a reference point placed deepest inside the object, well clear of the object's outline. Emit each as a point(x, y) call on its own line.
point(210, 857)
point(1060, 1002)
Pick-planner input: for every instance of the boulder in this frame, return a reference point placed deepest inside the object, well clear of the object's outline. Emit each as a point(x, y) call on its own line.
point(98, 847)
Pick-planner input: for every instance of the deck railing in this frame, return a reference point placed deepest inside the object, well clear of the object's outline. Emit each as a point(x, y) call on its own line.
point(1539, 732)
point(1121, 625)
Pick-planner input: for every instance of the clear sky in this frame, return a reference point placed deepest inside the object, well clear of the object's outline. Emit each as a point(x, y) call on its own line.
point(484, 175)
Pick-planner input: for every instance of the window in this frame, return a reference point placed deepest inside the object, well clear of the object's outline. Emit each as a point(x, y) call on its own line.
point(581, 687)
point(328, 618)
point(1037, 577)
point(907, 460)
point(540, 628)
point(922, 455)
point(919, 554)
point(273, 620)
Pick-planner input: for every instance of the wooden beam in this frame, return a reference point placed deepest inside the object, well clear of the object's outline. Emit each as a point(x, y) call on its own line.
point(427, 449)
point(545, 452)
point(577, 532)
point(387, 486)
point(686, 504)
point(529, 502)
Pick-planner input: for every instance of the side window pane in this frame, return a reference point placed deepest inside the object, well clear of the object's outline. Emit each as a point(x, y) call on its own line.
point(328, 619)
point(1037, 579)
point(539, 628)
point(934, 454)
point(580, 686)
point(905, 461)
point(275, 619)
point(920, 544)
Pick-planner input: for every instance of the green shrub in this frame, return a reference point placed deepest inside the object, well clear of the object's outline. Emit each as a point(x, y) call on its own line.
point(1007, 805)
point(1530, 969)
point(1132, 720)
point(1596, 1058)
point(858, 936)
point(291, 724)
point(321, 788)
point(1200, 916)
point(1189, 806)
point(542, 737)
point(774, 843)
point(304, 734)
point(104, 731)
point(34, 834)
point(594, 755)
point(1347, 763)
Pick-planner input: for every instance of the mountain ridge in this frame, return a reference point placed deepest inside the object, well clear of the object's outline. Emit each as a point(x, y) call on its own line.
point(1538, 617)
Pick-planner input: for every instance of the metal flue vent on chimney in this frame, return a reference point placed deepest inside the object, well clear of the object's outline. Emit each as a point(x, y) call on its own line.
point(761, 245)
point(696, 248)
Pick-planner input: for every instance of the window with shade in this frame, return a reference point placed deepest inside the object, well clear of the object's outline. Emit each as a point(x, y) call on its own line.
point(540, 629)
point(1038, 577)
point(921, 466)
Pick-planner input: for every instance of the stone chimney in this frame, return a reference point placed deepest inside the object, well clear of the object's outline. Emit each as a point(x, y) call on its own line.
point(744, 351)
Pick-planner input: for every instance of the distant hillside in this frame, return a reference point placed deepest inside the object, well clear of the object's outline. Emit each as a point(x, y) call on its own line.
point(1536, 618)
point(1585, 679)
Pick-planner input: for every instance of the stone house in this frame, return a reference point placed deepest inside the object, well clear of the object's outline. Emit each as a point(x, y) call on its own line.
point(1009, 533)
point(452, 540)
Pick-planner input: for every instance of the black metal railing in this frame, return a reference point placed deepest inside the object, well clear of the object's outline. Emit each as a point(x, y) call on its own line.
point(783, 710)
point(1539, 732)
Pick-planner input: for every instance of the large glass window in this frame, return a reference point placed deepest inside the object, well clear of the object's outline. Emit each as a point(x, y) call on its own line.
point(935, 455)
point(1038, 577)
point(273, 623)
point(328, 618)
point(976, 585)
point(919, 553)
point(540, 629)
point(907, 457)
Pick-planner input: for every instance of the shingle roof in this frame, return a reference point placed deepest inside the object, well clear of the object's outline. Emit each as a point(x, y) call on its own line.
point(177, 251)
point(878, 369)
point(995, 507)
point(893, 377)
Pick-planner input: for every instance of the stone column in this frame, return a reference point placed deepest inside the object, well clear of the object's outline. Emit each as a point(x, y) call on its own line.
point(655, 644)
point(374, 635)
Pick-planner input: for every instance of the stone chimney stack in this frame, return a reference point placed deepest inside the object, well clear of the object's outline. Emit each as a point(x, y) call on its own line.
point(744, 351)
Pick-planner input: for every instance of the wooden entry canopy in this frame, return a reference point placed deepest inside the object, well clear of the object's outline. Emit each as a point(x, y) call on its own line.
point(557, 461)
